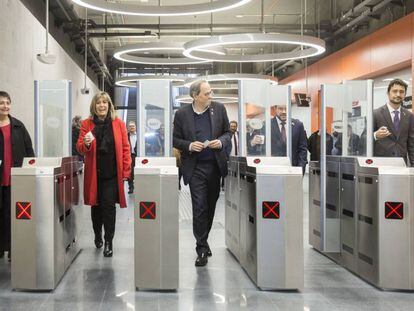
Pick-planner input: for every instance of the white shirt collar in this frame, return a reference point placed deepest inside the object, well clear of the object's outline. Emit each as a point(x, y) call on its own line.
point(391, 110)
point(279, 122)
point(192, 105)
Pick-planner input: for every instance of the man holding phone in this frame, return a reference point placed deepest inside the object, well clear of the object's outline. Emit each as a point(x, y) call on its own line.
point(394, 126)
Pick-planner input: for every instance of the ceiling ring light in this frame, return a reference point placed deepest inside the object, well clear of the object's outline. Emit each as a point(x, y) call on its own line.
point(123, 53)
point(229, 77)
point(131, 81)
point(167, 10)
point(312, 46)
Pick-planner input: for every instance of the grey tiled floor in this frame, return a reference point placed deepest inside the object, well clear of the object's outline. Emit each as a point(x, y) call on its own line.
point(97, 283)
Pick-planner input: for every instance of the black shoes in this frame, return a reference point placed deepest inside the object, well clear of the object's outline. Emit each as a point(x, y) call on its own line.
point(98, 241)
point(130, 191)
point(9, 256)
point(209, 253)
point(108, 249)
point(201, 260)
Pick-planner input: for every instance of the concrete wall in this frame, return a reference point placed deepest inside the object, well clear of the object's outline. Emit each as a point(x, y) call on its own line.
point(22, 37)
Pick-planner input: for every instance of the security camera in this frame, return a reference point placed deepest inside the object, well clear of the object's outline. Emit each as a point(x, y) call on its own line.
point(85, 91)
point(47, 58)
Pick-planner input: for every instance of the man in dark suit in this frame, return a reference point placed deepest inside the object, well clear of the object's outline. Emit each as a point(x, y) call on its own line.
point(132, 139)
point(201, 133)
point(298, 137)
point(394, 126)
point(353, 142)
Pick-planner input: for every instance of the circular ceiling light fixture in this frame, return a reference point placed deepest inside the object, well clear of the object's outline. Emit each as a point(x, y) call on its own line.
point(123, 53)
point(229, 77)
point(221, 98)
point(312, 46)
point(131, 81)
point(166, 10)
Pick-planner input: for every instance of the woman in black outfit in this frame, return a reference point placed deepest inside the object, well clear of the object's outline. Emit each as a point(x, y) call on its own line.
point(104, 142)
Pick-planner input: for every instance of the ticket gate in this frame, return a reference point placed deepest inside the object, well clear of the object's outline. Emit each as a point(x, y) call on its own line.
point(385, 245)
point(376, 224)
point(264, 216)
point(46, 202)
point(156, 223)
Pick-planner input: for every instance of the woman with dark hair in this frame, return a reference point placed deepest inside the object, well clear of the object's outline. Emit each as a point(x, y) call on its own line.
point(15, 144)
point(104, 142)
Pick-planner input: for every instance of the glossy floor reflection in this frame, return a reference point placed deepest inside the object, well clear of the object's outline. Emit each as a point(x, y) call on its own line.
point(97, 283)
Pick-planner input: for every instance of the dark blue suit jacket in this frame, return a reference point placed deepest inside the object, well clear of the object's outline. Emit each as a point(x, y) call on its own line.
point(299, 143)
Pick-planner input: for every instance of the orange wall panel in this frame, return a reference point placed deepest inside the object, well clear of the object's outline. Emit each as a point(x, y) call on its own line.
point(356, 59)
point(392, 44)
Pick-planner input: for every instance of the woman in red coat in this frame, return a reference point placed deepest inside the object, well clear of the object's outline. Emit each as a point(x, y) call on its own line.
point(103, 141)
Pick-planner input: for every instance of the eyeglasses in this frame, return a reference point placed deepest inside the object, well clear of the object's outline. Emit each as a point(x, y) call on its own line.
point(211, 93)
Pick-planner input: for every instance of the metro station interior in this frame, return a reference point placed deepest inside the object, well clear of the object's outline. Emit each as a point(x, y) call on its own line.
point(167, 155)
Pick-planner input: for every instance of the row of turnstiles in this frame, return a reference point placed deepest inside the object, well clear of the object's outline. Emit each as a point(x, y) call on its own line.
point(263, 222)
point(366, 225)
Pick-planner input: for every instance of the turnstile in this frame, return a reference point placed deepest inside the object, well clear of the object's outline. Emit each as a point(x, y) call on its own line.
point(264, 220)
point(156, 223)
point(377, 221)
point(385, 244)
point(46, 201)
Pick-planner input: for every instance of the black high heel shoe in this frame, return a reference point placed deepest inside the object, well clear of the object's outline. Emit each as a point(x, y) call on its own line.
point(98, 241)
point(108, 249)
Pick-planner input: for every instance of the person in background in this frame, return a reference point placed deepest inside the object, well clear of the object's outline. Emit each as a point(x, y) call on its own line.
point(132, 139)
point(103, 141)
point(394, 126)
point(231, 149)
point(15, 144)
point(353, 142)
point(235, 151)
point(76, 124)
point(201, 133)
point(314, 145)
point(298, 138)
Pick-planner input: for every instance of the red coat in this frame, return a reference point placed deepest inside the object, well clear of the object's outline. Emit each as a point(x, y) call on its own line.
point(123, 161)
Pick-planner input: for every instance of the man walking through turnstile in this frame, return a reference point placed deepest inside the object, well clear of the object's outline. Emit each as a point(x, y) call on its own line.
point(201, 133)
point(394, 126)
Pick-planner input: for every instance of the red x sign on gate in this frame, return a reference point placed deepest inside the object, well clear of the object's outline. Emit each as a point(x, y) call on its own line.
point(271, 209)
point(394, 210)
point(147, 210)
point(23, 210)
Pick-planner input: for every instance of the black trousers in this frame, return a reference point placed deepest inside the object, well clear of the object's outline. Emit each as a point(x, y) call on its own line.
point(5, 218)
point(131, 179)
point(205, 190)
point(104, 214)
